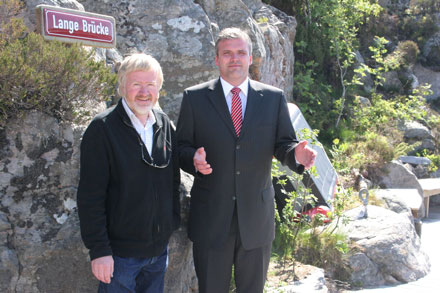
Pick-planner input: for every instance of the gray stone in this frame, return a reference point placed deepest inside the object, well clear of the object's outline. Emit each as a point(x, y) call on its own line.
point(365, 78)
point(390, 243)
point(421, 171)
point(40, 200)
point(428, 76)
point(180, 275)
point(365, 102)
point(415, 160)
point(9, 269)
point(408, 79)
point(392, 82)
point(396, 175)
point(28, 13)
point(431, 52)
point(4, 223)
point(427, 144)
point(415, 130)
point(402, 201)
point(364, 271)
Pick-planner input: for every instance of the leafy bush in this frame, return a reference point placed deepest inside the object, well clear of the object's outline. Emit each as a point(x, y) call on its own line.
point(306, 240)
point(405, 55)
point(51, 77)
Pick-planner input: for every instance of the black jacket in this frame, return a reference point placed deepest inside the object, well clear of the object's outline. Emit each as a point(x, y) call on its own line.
point(126, 206)
point(241, 167)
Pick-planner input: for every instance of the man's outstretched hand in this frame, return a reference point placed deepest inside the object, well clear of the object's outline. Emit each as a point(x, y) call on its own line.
point(200, 162)
point(305, 155)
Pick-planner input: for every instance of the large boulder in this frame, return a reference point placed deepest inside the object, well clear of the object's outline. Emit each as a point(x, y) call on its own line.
point(180, 275)
point(396, 175)
point(39, 162)
point(431, 52)
point(428, 76)
point(9, 265)
point(181, 35)
point(392, 82)
point(402, 201)
point(389, 250)
point(415, 130)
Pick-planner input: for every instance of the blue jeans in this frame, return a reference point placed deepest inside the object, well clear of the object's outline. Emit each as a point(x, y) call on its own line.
point(140, 275)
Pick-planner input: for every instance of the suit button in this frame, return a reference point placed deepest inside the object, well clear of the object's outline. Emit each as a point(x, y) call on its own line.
point(238, 172)
point(234, 198)
point(237, 147)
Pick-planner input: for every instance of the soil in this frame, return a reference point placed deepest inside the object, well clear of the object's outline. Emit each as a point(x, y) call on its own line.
point(280, 275)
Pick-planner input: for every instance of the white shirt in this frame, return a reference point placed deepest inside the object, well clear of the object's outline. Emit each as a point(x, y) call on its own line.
point(145, 132)
point(244, 88)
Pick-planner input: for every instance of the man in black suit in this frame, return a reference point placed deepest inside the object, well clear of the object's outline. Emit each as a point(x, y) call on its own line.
point(228, 131)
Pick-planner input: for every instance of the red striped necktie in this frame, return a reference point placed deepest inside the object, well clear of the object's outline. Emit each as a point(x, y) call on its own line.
point(236, 112)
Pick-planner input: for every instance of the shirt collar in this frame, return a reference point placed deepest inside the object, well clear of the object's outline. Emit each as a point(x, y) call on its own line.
point(151, 120)
point(227, 87)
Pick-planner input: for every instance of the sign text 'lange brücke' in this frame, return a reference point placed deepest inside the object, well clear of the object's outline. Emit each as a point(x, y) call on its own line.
point(73, 26)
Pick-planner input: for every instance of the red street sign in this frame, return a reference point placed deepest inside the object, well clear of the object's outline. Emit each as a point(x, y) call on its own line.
point(68, 25)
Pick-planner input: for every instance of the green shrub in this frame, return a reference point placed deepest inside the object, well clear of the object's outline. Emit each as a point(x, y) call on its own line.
point(51, 77)
point(405, 55)
point(309, 241)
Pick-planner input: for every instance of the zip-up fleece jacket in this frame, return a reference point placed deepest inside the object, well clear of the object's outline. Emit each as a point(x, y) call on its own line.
point(128, 202)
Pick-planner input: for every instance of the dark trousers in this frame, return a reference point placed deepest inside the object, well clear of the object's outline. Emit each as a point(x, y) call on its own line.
point(214, 265)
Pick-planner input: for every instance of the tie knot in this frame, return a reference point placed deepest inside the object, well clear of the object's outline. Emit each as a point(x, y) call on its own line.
point(235, 91)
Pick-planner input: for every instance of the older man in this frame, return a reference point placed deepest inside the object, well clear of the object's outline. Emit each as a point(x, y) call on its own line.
point(228, 131)
point(128, 199)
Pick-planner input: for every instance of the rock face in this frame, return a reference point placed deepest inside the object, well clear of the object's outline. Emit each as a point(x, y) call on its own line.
point(39, 162)
point(390, 251)
point(181, 35)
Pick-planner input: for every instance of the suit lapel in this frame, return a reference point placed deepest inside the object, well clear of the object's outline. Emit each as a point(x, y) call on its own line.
point(217, 98)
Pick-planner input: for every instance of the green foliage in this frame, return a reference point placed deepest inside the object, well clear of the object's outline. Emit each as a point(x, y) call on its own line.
point(419, 21)
point(51, 77)
point(371, 150)
point(325, 44)
point(435, 159)
point(325, 250)
point(308, 240)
